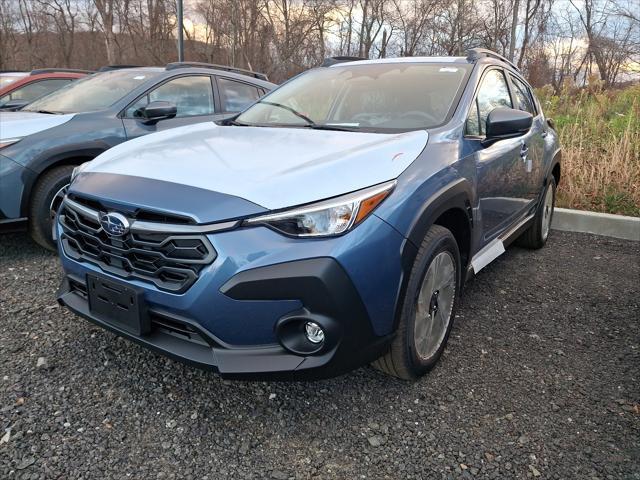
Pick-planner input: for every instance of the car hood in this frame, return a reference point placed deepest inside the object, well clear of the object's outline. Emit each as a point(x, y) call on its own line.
point(21, 124)
point(271, 167)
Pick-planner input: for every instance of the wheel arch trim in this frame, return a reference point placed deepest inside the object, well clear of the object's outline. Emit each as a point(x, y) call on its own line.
point(68, 157)
point(457, 195)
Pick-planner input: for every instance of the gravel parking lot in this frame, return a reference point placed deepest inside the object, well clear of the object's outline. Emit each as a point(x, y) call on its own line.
point(540, 379)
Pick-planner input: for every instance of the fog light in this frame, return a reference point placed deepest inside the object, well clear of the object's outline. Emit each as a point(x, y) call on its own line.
point(314, 332)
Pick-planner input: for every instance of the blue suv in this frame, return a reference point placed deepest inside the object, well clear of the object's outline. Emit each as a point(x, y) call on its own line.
point(331, 224)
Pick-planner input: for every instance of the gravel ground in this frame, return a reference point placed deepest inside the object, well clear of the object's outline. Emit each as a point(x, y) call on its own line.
point(540, 379)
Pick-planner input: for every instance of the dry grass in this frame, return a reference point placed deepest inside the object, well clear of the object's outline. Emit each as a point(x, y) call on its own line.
point(600, 137)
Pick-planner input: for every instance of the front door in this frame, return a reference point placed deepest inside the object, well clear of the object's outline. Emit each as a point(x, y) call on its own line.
point(192, 94)
point(501, 170)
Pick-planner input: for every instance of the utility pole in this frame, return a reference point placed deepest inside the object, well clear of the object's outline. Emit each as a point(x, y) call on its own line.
point(180, 32)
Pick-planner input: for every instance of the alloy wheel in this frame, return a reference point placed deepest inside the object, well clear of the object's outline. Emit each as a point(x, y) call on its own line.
point(434, 305)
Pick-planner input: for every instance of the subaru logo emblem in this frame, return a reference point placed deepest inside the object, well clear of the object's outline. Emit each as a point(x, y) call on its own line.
point(115, 224)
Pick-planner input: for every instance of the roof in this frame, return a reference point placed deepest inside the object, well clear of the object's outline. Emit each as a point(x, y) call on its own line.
point(185, 69)
point(212, 66)
point(404, 60)
point(474, 55)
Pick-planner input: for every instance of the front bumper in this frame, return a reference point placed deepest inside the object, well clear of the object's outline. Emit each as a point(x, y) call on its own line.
point(244, 312)
point(328, 297)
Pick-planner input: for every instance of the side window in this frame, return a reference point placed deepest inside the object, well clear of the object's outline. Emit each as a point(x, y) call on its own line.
point(522, 96)
point(35, 90)
point(192, 95)
point(493, 93)
point(236, 96)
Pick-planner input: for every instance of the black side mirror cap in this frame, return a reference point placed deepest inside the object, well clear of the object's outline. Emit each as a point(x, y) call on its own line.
point(503, 123)
point(156, 111)
point(14, 105)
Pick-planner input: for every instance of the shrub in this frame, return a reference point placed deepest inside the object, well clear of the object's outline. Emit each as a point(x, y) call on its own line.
point(600, 137)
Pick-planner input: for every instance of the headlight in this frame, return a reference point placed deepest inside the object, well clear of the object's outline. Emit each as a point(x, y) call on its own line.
point(329, 217)
point(77, 170)
point(5, 142)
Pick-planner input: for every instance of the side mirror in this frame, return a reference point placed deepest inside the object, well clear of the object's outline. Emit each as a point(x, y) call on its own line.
point(156, 111)
point(505, 123)
point(13, 105)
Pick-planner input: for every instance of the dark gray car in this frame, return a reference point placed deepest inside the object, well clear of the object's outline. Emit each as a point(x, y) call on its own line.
point(40, 145)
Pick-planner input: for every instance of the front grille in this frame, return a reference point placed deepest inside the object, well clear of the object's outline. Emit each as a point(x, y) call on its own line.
point(136, 214)
point(172, 262)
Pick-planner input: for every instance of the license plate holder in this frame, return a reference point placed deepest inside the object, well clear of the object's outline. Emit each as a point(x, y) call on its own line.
point(117, 304)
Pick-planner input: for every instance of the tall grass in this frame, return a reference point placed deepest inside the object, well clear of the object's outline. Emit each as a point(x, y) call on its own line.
point(600, 138)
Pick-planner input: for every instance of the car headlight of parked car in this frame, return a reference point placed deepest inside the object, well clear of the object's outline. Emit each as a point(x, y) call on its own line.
point(5, 142)
point(328, 217)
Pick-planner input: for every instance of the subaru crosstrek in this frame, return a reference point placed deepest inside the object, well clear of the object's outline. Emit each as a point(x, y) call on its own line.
point(331, 224)
point(42, 143)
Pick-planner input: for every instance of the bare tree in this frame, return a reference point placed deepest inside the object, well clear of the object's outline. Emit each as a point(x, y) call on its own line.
point(553, 42)
point(611, 38)
point(8, 33)
point(106, 11)
point(63, 16)
point(414, 20)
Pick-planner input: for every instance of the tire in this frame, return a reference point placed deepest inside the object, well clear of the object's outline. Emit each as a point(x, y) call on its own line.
point(537, 234)
point(411, 353)
point(46, 188)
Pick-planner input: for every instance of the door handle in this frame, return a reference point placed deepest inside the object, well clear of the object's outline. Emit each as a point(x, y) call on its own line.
point(524, 151)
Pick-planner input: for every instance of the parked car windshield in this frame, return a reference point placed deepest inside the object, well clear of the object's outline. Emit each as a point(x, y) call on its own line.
point(379, 97)
point(95, 92)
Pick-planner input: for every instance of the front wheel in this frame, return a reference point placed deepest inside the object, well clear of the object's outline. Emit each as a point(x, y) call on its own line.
point(537, 234)
point(428, 308)
point(45, 200)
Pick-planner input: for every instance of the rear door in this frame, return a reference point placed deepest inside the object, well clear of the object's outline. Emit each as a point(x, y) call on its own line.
point(500, 168)
point(192, 94)
point(533, 142)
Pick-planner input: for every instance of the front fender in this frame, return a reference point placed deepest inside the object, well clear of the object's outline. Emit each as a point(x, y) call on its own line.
point(445, 191)
point(66, 153)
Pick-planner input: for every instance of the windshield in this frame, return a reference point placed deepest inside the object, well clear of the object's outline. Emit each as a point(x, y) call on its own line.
point(380, 97)
point(10, 78)
point(95, 92)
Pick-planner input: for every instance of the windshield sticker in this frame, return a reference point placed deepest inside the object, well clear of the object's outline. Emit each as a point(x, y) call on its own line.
point(449, 69)
point(139, 77)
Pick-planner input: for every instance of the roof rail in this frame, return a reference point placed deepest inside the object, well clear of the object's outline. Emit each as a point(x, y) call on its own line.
point(38, 71)
point(226, 68)
point(341, 59)
point(108, 68)
point(473, 54)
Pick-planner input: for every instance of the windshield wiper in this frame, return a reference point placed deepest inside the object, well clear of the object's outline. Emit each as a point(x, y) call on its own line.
point(289, 109)
point(235, 123)
point(339, 128)
point(48, 112)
